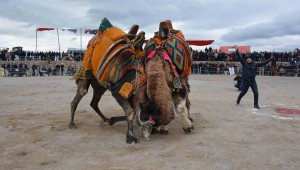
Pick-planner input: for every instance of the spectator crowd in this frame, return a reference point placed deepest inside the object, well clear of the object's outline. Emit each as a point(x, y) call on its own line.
point(21, 69)
point(210, 54)
point(8, 55)
point(208, 61)
point(211, 61)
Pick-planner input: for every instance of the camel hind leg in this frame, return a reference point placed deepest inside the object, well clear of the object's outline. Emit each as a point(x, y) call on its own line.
point(82, 89)
point(98, 91)
point(97, 94)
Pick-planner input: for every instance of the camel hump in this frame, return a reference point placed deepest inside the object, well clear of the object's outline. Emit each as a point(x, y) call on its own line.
point(177, 49)
point(111, 53)
point(108, 30)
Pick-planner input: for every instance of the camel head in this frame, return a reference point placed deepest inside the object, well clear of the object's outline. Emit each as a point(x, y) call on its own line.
point(148, 117)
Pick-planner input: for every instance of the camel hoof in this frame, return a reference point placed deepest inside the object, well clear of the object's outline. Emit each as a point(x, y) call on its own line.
point(130, 139)
point(106, 120)
point(160, 130)
point(72, 126)
point(163, 132)
point(111, 121)
point(189, 129)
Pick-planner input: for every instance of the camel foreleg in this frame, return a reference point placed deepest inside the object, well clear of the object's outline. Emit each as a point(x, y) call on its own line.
point(188, 106)
point(182, 109)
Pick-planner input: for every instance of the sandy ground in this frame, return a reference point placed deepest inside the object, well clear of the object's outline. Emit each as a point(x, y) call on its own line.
point(35, 112)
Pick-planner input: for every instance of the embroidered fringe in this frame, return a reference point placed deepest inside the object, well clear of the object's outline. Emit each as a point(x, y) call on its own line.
point(80, 74)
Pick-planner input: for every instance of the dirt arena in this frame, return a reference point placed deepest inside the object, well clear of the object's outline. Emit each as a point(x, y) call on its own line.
point(35, 113)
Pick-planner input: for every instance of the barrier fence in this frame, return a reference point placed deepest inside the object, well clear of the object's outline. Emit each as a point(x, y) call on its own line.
point(196, 69)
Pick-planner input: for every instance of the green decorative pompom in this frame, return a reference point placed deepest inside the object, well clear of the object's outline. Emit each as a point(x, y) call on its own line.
point(105, 24)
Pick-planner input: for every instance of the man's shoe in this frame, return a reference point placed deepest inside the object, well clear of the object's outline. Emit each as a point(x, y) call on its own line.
point(238, 101)
point(256, 106)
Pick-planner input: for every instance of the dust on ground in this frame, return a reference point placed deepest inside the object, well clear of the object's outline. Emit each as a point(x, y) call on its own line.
point(35, 113)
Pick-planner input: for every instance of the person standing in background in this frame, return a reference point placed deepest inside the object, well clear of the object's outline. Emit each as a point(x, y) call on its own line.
point(248, 76)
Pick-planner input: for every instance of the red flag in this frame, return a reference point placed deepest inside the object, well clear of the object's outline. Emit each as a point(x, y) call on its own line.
point(44, 29)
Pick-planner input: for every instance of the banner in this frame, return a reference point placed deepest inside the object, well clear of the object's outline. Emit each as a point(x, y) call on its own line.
point(231, 71)
point(273, 65)
point(86, 30)
point(71, 30)
point(90, 31)
point(2, 74)
point(44, 29)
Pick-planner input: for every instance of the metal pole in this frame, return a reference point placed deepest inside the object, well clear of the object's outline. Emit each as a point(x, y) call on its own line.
point(36, 40)
point(58, 43)
point(81, 39)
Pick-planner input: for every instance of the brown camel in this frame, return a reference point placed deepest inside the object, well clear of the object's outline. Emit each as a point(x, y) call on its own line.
point(112, 61)
point(167, 68)
point(168, 99)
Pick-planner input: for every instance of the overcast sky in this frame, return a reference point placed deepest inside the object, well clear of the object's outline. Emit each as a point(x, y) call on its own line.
point(265, 25)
